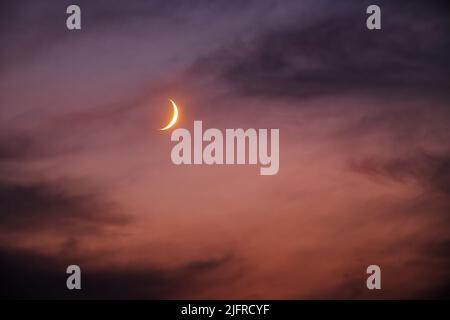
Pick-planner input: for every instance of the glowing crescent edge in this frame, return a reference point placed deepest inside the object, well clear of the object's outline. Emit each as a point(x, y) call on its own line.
point(174, 118)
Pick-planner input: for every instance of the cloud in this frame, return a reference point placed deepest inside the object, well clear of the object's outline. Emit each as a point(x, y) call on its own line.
point(28, 29)
point(25, 274)
point(34, 206)
point(431, 171)
point(412, 197)
point(13, 147)
point(30, 204)
point(337, 54)
point(42, 206)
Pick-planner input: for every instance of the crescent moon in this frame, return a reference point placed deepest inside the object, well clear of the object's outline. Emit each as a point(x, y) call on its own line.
point(174, 117)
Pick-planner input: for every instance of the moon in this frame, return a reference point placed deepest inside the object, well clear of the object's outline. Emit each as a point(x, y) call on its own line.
point(174, 117)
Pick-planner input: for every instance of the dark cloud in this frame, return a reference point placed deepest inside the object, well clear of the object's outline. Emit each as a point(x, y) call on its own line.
point(28, 28)
point(17, 148)
point(40, 206)
point(430, 171)
point(13, 147)
point(441, 291)
point(427, 205)
point(24, 274)
point(337, 54)
point(30, 204)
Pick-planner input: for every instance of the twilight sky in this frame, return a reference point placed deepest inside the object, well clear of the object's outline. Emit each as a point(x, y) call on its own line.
point(86, 176)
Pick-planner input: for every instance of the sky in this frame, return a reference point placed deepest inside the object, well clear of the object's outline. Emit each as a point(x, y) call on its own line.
point(86, 176)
